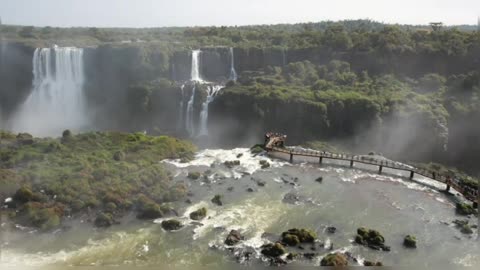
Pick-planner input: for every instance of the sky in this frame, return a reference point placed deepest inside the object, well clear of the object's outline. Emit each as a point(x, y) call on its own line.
point(157, 13)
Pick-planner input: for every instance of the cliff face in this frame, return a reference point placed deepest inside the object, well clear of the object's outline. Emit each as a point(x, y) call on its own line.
point(15, 76)
point(138, 87)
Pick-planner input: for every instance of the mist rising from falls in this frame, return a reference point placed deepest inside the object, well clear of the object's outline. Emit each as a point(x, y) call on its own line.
point(233, 73)
point(57, 101)
point(211, 93)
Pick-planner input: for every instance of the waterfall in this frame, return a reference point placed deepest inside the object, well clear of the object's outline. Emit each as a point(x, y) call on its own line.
point(211, 93)
point(57, 101)
point(189, 117)
point(181, 105)
point(233, 73)
point(195, 73)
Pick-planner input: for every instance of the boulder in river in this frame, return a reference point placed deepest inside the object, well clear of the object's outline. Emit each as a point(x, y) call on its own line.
point(171, 225)
point(319, 179)
point(273, 250)
point(264, 164)
point(370, 263)
point(334, 259)
point(193, 175)
point(295, 236)
point(331, 229)
point(199, 214)
point(410, 241)
point(217, 199)
point(233, 238)
point(371, 238)
point(231, 163)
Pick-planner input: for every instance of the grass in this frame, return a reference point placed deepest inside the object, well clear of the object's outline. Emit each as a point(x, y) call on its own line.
point(106, 171)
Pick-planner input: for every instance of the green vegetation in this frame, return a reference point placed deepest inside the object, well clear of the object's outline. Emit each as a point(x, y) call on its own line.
point(50, 178)
point(217, 199)
point(465, 209)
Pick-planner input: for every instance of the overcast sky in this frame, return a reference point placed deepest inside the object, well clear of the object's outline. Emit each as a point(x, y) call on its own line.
point(153, 13)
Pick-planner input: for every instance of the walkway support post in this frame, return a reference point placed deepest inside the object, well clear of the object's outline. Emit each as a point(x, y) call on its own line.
point(351, 163)
point(291, 158)
point(412, 173)
point(448, 188)
point(380, 169)
point(320, 159)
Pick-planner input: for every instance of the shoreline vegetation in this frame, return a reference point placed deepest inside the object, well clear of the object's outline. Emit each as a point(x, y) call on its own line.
point(102, 175)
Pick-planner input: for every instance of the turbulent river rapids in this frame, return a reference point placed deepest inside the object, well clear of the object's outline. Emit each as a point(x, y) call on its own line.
point(261, 204)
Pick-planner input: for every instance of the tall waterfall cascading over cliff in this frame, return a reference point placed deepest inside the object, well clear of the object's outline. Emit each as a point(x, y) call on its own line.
point(57, 100)
point(233, 73)
point(195, 74)
point(211, 93)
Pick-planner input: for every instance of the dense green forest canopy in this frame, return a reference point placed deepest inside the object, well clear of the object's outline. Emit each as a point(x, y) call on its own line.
point(356, 35)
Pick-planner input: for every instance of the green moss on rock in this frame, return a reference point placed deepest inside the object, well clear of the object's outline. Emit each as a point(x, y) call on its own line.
point(410, 241)
point(217, 199)
point(334, 259)
point(465, 209)
point(171, 225)
point(193, 175)
point(199, 214)
point(273, 250)
point(302, 235)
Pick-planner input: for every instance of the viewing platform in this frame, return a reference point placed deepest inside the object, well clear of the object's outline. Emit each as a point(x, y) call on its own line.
point(275, 143)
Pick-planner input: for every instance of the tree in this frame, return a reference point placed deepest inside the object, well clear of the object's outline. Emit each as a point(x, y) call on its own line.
point(26, 32)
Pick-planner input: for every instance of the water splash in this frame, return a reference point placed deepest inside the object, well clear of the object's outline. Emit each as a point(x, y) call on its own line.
point(57, 100)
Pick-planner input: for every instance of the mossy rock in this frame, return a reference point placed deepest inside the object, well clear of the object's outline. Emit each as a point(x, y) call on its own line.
point(103, 220)
point(232, 163)
point(465, 209)
point(171, 225)
point(334, 259)
point(233, 238)
point(217, 199)
point(370, 263)
point(149, 211)
point(199, 214)
point(273, 250)
point(410, 241)
point(463, 226)
point(371, 238)
point(290, 239)
point(193, 175)
point(256, 149)
point(303, 235)
point(264, 164)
